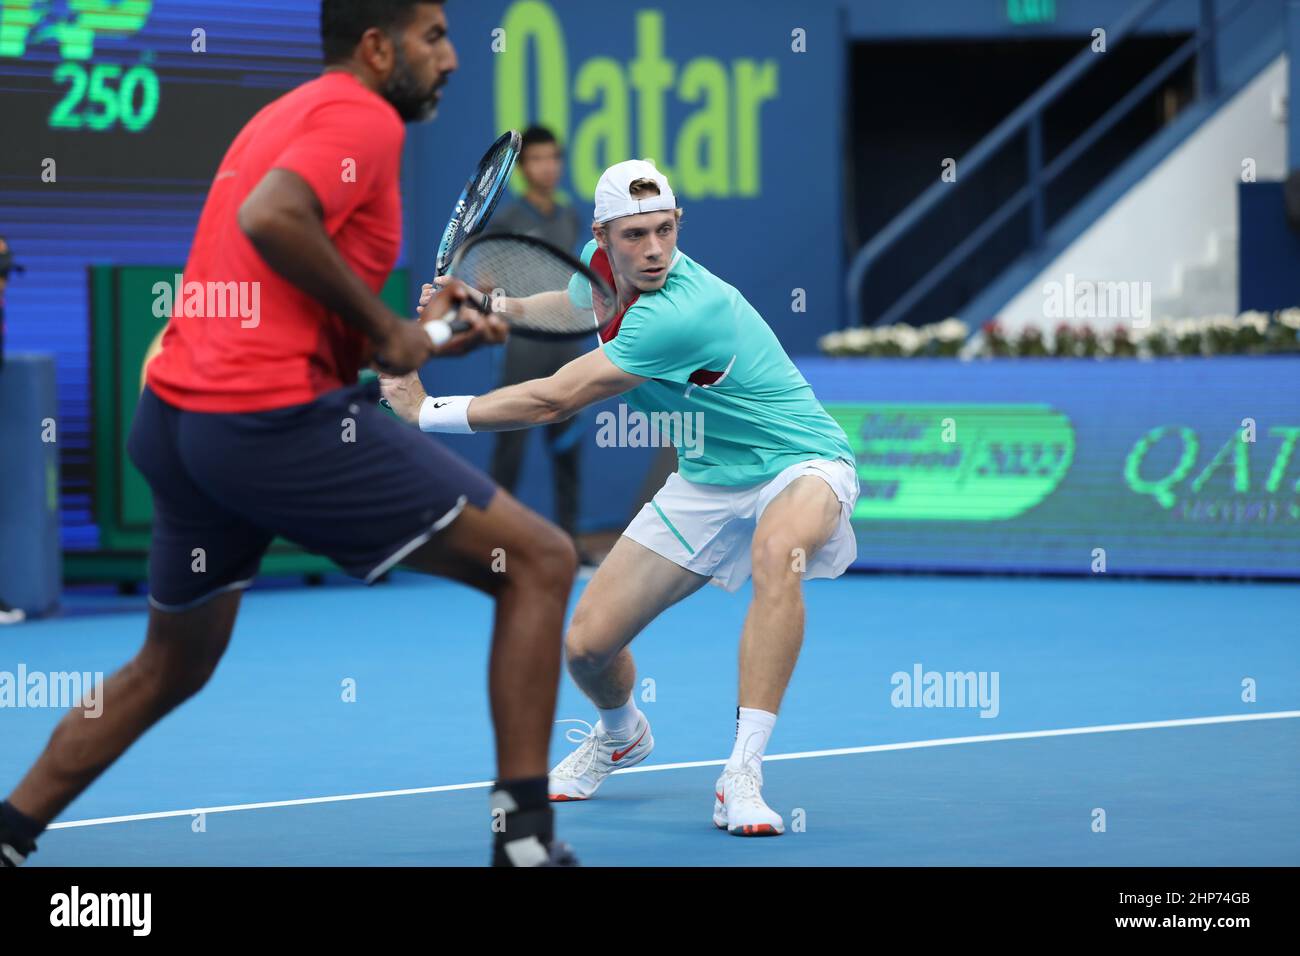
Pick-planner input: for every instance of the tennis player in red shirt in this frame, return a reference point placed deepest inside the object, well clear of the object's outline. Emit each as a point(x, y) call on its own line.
point(252, 425)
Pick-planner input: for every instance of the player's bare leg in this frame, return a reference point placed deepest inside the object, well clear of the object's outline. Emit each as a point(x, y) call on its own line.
point(632, 586)
point(527, 565)
point(531, 578)
point(792, 529)
point(180, 652)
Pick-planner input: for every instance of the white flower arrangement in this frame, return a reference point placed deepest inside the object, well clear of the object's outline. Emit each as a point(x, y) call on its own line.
point(1249, 333)
point(904, 341)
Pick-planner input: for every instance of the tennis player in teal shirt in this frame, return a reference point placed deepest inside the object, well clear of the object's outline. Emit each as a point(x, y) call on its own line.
point(765, 486)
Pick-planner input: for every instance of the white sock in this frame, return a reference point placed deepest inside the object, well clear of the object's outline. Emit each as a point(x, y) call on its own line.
point(753, 731)
point(620, 722)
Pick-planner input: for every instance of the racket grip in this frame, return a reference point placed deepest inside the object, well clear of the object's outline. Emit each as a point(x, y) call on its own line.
point(439, 330)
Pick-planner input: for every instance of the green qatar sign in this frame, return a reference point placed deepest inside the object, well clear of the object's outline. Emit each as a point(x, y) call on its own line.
point(1173, 467)
point(955, 462)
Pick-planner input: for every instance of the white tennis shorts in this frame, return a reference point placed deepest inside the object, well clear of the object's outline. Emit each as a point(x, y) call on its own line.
point(708, 529)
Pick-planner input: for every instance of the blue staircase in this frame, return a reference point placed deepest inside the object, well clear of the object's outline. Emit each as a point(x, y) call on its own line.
point(1233, 42)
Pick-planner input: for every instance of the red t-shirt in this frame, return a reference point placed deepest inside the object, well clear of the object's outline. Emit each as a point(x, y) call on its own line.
point(263, 343)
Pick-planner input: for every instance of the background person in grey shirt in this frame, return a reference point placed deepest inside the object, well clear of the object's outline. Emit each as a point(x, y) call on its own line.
point(538, 213)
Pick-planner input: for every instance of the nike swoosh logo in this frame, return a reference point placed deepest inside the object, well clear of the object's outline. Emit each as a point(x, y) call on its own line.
point(440, 404)
point(618, 755)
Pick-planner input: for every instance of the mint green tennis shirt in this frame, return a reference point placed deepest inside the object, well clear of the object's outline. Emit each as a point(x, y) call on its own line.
point(721, 387)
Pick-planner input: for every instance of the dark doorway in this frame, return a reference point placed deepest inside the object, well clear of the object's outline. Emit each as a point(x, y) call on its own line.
point(911, 105)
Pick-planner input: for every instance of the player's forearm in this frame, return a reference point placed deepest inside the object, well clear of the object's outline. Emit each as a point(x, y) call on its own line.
point(588, 379)
point(518, 406)
point(505, 409)
point(519, 307)
point(283, 220)
point(296, 246)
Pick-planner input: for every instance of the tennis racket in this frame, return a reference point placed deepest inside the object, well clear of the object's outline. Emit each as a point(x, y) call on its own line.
point(474, 207)
point(540, 291)
point(478, 200)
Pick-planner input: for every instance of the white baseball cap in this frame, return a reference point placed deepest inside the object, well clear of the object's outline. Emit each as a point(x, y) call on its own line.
point(614, 195)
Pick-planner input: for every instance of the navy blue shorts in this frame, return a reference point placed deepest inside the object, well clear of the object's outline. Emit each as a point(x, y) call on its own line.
point(338, 476)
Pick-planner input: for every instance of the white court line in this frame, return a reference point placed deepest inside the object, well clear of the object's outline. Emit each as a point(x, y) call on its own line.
point(842, 751)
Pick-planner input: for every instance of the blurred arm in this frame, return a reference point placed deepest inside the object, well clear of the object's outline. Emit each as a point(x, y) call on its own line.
point(283, 219)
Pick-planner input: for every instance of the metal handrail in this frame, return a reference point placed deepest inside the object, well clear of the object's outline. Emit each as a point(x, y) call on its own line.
point(1029, 115)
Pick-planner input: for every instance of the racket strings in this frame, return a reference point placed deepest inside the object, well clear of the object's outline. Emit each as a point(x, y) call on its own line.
point(529, 285)
point(479, 198)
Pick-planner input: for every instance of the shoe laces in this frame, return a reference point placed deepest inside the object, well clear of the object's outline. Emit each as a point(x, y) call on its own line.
point(744, 785)
point(585, 755)
point(747, 782)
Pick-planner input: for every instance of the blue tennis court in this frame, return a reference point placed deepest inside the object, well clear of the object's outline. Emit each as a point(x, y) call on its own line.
point(1117, 701)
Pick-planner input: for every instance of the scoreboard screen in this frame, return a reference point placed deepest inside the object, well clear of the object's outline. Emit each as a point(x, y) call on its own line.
point(114, 115)
point(140, 94)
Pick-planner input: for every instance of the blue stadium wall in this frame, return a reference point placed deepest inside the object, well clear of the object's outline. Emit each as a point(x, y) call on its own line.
point(749, 128)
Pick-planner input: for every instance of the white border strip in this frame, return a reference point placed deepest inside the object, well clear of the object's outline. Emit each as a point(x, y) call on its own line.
point(840, 752)
point(417, 541)
point(243, 585)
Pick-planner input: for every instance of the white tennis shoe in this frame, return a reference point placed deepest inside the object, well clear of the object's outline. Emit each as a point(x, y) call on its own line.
point(598, 754)
point(738, 805)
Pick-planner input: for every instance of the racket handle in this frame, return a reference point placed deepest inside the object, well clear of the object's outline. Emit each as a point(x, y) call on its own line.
point(483, 303)
point(439, 330)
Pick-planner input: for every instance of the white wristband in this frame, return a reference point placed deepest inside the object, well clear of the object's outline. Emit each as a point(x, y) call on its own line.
point(438, 330)
point(446, 413)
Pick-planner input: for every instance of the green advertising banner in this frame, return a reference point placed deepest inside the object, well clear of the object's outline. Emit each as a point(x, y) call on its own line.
point(914, 463)
point(1179, 467)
